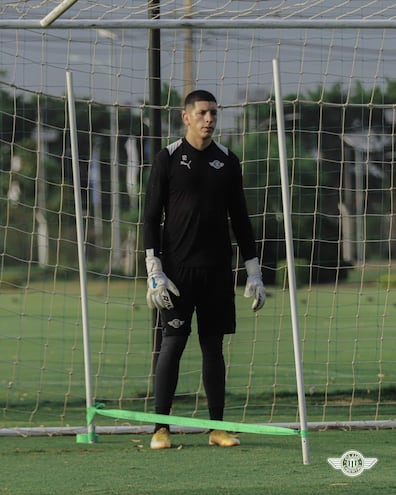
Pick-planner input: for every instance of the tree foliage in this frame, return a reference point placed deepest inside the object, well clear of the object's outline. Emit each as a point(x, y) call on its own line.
point(315, 126)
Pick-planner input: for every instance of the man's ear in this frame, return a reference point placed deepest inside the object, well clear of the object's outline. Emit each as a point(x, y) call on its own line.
point(185, 118)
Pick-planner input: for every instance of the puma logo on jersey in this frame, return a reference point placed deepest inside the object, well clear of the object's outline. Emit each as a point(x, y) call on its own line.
point(216, 164)
point(184, 161)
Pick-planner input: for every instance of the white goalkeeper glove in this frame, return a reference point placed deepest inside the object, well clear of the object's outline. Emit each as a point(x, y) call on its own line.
point(158, 285)
point(254, 284)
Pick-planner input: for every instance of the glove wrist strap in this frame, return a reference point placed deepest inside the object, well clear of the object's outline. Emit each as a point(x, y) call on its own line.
point(153, 264)
point(252, 267)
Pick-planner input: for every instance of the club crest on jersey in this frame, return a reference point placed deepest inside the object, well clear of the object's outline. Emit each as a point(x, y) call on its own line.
point(176, 323)
point(216, 164)
point(184, 161)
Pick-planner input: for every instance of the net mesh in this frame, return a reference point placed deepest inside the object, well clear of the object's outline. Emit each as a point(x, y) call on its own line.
point(339, 89)
point(203, 9)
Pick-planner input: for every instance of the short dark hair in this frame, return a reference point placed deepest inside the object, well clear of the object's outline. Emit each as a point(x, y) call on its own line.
point(198, 95)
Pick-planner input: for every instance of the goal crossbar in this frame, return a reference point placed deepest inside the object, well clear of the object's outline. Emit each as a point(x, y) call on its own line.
point(220, 23)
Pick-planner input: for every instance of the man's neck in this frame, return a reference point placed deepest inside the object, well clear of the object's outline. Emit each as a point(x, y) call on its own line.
point(199, 144)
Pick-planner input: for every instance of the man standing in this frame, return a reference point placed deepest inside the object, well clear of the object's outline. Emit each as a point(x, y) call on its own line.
point(195, 186)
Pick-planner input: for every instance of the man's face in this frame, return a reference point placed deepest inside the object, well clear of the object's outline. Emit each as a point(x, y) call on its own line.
point(201, 119)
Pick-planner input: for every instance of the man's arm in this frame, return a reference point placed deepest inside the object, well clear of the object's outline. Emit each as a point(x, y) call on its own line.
point(243, 231)
point(156, 193)
point(158, 284)
point(239, 216)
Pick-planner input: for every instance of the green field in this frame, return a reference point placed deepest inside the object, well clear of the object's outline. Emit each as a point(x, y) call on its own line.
point(348, 344)
point(262, 464)
point(347, 337)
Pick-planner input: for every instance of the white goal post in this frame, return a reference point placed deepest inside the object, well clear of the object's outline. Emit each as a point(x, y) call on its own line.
point(57, 12)
point(338, 94)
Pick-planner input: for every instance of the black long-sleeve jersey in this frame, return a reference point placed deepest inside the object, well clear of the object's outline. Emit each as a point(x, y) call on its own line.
point(197, 191)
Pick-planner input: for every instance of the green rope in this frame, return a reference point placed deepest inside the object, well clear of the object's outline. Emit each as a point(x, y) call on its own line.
point(184, 421)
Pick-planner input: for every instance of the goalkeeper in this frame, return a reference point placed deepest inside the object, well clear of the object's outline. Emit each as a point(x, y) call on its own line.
point(195, 185)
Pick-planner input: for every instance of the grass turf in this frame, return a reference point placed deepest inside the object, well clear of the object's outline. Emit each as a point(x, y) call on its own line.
point(263, 464)
point(348, 345)
point(347, 336)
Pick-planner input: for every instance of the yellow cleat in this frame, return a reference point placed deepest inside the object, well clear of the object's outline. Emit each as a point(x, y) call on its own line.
point(223, 439)
point(161, 439)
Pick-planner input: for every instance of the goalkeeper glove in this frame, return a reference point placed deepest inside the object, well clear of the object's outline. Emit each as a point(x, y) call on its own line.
point(158, 285)
point(254, 284)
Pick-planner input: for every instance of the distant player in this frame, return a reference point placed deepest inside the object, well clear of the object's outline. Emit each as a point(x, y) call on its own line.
point(195, 185)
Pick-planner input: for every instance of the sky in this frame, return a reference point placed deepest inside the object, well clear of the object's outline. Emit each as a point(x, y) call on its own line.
point(111, 66)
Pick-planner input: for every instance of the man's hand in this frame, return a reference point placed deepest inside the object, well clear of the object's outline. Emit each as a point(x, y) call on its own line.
point(158, 285)
point(254, 284)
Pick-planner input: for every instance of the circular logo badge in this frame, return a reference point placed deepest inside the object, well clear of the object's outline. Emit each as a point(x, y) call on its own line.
point(352, 463)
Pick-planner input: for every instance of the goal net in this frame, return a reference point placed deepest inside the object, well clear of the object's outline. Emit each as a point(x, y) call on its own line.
point(339, 88)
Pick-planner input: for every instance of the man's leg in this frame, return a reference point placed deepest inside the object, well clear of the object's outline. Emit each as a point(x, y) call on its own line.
point(166, 377)
point(216, 316)
point(167, 373)
point(213, 373)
